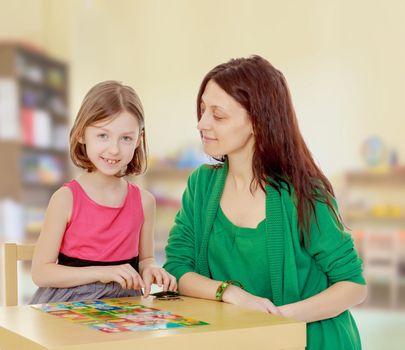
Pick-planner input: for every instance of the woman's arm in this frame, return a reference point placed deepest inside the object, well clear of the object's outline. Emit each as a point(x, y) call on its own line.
point(181, 255)
point(329, 303)
point(198, 286)
point(195, 285)
point(47, 273)
point(334, 253)
point(150, 271)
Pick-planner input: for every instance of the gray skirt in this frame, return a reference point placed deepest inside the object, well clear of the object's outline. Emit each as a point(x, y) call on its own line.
point(96, 290)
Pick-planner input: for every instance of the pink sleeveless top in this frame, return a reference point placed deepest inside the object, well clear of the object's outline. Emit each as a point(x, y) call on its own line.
point(100, 233)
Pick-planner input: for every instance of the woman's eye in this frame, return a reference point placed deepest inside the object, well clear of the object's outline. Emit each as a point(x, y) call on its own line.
point(217, 117)
point(127, 138)
point(102, 136)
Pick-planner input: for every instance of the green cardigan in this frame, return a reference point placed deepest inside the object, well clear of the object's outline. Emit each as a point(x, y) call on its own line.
point(297, 271)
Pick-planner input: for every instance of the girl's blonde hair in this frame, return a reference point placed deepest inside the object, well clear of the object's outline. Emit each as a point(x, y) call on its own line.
point(103, 101)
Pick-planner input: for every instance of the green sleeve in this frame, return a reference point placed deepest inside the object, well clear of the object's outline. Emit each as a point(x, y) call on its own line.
point(332, 248)
point(180, 251)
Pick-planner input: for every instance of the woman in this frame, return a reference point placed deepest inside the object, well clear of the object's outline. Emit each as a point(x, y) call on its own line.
point(262, 229)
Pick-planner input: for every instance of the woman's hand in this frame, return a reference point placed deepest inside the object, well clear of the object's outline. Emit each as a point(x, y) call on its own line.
point(237, 296)
point(124, 274)
point(155, 274)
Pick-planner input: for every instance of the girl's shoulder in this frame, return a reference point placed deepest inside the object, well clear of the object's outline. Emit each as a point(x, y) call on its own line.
point(61, 203)
point(147, 198)
point(63, 194)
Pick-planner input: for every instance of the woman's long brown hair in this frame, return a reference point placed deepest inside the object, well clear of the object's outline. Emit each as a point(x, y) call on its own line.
point(281, 156)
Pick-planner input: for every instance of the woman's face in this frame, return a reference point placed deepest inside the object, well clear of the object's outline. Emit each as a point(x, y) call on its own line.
point(225, 125)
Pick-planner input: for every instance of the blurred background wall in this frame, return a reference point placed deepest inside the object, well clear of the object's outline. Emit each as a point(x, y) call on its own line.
point(342, 59)
point(344, 64)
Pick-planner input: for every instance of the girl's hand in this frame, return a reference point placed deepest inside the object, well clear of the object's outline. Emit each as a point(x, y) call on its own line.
point(237, 296)
point(155, 274)
point(124, 274)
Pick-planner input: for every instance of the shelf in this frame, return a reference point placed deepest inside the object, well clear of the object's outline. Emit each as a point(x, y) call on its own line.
point(57, 118)
point(40, 86)
point(42, 185)
point(168, 172)
point(35, 53)
point(36, 91)
point(392, 177)
point(374, 198)
point(44, 150)
point(376, 220)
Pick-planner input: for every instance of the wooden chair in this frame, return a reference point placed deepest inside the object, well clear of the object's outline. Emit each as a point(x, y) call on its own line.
point(11, 254)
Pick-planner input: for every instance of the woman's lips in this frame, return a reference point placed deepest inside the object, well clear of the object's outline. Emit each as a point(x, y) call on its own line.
point(208, 139)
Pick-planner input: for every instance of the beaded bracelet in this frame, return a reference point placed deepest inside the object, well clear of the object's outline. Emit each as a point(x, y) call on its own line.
point(221, 288)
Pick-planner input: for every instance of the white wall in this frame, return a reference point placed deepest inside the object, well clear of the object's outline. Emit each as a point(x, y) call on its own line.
point(23, 20)
point(343, 60)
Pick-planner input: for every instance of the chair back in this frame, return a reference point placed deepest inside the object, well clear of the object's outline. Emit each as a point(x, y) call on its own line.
point(11, 254)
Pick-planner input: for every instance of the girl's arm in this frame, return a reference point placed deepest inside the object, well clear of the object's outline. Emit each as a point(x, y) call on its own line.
point(146, 239)
point(329, 303)
point(150, 271)
point(47, 273)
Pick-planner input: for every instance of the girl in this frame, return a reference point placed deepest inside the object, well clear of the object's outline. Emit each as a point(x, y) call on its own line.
point(262, 230)
point(97, 237)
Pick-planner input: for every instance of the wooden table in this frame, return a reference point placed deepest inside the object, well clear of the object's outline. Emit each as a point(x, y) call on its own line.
point(230, 327)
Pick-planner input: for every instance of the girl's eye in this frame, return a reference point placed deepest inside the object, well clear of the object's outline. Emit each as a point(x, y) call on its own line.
point(102, 136)
point(127, 138)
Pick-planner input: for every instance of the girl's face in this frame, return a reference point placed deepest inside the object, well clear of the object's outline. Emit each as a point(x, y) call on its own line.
point(110, 144)
point(225, 125)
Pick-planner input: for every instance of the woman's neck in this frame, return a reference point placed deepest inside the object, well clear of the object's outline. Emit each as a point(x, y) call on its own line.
point(240, 171)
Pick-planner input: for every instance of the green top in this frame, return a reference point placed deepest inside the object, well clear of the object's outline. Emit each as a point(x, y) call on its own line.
point(239, 253)
point(296, 271)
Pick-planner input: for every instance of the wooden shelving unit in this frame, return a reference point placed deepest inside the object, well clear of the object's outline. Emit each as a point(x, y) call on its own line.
point(392, 177)
point(33, 132)
point(374, 199)
point(373, 207)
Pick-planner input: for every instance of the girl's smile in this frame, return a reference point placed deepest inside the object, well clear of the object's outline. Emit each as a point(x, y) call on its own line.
point(110, 145)
point(110, 161)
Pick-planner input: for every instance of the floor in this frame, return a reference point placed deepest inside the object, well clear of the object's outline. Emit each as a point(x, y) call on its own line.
point(381, 325)
point(381, 329)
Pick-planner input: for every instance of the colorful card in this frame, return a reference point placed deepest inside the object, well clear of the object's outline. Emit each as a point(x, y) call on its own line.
point(115, 315)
